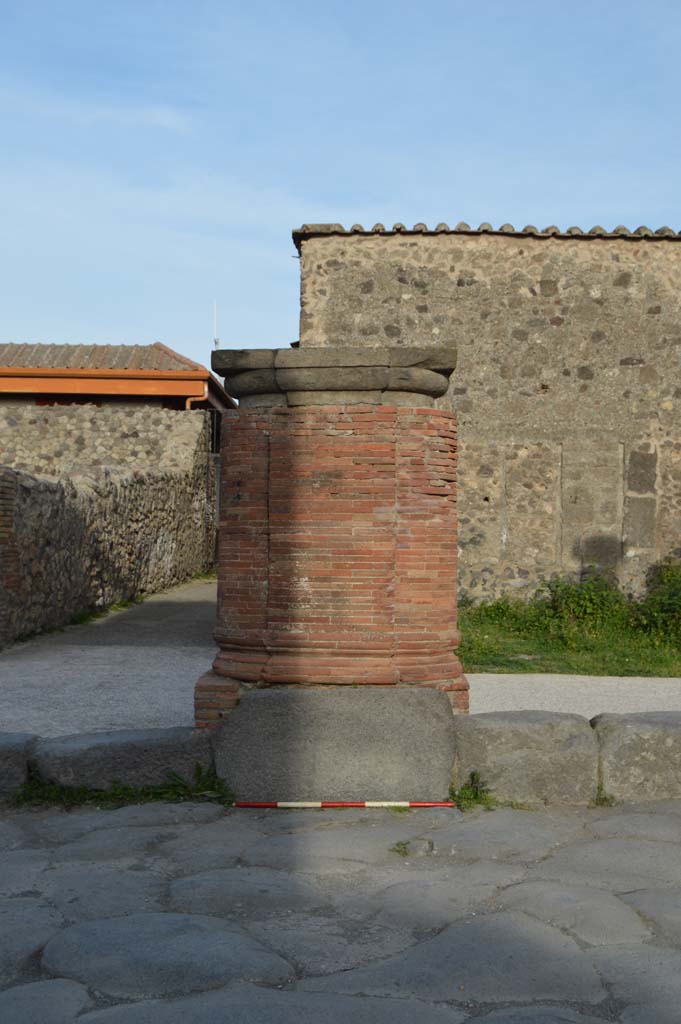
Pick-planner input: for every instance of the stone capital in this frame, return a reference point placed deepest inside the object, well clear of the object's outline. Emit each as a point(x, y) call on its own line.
point(399, 375)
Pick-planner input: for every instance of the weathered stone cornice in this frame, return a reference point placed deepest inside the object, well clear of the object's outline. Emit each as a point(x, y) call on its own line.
point(339, 375)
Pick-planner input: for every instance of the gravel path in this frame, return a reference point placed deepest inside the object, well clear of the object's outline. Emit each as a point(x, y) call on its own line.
point(137, 668)
point(581, 695)
point(168, 914)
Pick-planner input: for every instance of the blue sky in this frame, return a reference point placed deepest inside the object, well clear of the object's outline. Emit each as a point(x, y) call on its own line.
point(156, 155)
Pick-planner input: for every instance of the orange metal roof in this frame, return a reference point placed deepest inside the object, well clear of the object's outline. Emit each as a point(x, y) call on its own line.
point(107, 370)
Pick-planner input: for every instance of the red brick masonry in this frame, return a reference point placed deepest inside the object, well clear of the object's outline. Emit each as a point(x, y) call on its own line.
point(337, 552)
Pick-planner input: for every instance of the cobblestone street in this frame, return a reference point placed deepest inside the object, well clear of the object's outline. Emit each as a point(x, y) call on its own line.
point(166, 913)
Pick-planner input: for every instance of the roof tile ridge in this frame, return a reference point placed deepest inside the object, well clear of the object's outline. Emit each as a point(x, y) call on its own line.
point(316, 230)
point(176, 355)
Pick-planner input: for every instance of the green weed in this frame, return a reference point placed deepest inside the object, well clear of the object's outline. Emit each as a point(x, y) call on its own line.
point(587, 627)
point(602, 799)
point(474, 793)
point(401, 848)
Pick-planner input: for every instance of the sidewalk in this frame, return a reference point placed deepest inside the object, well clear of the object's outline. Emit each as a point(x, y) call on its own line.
point(131, 669)
point(581, 695)
point(137, 668)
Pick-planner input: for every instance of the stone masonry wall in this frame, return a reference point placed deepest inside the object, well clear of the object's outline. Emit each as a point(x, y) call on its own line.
point(568, 385)
point(129, 507)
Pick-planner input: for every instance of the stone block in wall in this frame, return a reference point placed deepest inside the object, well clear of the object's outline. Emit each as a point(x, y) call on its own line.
point(335, 743)
point(533, 757)
point(139, 757)
point(639, 522)
point(669, 496)
point(640, 755)
point(642, 470)
point(592, 505)
point(15, 750)
point(481, 510)
point(532, 496)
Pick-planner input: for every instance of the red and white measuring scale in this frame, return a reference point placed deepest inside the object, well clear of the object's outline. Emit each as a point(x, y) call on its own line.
point(304, 804)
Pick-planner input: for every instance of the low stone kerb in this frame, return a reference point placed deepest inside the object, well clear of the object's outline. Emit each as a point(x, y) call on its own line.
point(140, 757)
point(640, 755)
point(529, 756)
point(15, 750)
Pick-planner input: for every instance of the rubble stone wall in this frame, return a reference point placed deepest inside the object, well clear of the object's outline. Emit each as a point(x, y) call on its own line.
point(128, 508)
point(567, 390)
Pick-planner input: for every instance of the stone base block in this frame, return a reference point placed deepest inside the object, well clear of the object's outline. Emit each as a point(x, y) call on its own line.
point(533, 757)
point(338, 743)
point(15, 750)
point(640, 755)
point(140, 757)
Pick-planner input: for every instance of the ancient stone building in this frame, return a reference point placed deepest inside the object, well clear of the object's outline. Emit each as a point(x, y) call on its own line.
point(108, 477)
point(568, 386)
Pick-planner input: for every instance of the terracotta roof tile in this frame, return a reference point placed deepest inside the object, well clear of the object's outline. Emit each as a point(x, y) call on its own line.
point(97, 357)
point(316, 230)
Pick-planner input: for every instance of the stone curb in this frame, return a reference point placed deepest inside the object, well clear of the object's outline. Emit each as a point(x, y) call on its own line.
point(529, 756)
point(15, 750)
point(139, 757)
point(532, 757)
point(640, 755)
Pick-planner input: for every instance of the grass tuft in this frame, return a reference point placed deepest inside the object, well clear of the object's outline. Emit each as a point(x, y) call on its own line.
point(401, 848)
point(474, 793)
point(602, 799)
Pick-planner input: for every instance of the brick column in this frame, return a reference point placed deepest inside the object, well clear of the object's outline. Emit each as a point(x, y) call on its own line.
point(338, 548)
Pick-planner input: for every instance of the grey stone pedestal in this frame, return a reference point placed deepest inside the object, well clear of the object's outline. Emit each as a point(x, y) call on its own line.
point(354, 743)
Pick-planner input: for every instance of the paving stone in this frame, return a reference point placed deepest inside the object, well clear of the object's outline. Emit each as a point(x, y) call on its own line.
point(365, 743)
point(503, 835)
point(492, 959)
point(241, 892)
point(531, 757)
point(15, 750)
point(148, 955)
point(26, 924)
point(657, 807)
point(57, 826)
point(135, 757)
point(617, 864)
point(660, 828)
point(218, 844)
point(246, 1004)
point(11, 835)
point(645, 978)
point(43, 1002)
point(20, 870)
point(335, 849)
point(591, 915)
point(419, 819)
point(112, 844)
point(539, 1015)
point(320, 944)
point(87, 892)
point(640, 754)
point(425, 903)
point(660, 906)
